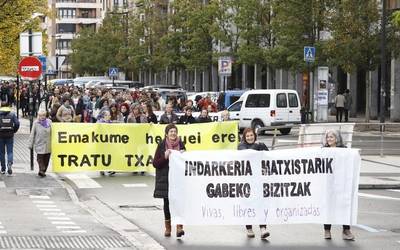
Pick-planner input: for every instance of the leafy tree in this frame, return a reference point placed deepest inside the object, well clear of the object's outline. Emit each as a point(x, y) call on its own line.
point(296, 24)
point(16, 17)
point(94, 52)
point(355, 35)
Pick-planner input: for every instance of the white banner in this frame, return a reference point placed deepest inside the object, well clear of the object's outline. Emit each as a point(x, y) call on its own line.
point(308, 185)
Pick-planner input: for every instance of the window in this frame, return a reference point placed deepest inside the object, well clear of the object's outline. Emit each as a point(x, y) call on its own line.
point(281, 101)
point(66, 13)
point(116, 2)
point(235, 106)
point(66, 28)
point(258, 101)
point(293, 102)
point(63, 44)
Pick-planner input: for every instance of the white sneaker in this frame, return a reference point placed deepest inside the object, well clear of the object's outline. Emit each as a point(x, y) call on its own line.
point(250, 233)
point(264, 233)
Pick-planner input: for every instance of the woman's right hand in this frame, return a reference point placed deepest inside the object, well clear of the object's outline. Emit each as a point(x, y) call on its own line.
point(167, 153)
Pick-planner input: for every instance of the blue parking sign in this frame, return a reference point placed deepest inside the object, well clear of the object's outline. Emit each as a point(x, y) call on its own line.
point(113, 72)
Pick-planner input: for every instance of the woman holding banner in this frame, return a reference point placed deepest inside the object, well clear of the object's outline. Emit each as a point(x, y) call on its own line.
point(161, 163)
point(40, 141)
point(105, 117)
point(249, 141)
point(331, 139)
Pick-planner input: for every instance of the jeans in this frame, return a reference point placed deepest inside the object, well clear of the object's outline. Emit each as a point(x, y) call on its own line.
point(6, 143)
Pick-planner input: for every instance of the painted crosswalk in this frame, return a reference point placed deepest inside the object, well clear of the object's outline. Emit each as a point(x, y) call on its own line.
point(83, 181)
point(55, 215)
point(2, 229)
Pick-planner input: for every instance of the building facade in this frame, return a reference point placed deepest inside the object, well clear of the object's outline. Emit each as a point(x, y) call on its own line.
point(70, 17)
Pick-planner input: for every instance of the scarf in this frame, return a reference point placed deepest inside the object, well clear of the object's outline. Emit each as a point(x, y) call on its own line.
point(45, 123)
point(174, 145)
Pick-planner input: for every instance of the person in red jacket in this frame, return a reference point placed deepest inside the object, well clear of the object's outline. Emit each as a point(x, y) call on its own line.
point(161, 163)
point(205, 102)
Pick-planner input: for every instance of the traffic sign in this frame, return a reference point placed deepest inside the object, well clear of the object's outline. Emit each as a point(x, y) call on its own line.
point(30, 67)
point(113, 72)
point(43, 60)
point(225, 66)
point(309, 54)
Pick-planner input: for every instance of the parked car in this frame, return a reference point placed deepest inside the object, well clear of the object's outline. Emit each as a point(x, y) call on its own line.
point(81, 81)
point(267, 107)
point(226, 98)
point(61, 82)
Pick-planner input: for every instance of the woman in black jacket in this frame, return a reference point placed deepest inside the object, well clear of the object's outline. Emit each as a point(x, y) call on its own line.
point(249, 141)
point(161, 163)
point(331, 139)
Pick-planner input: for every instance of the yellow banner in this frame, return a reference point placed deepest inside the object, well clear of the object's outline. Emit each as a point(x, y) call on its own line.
point(128, 147)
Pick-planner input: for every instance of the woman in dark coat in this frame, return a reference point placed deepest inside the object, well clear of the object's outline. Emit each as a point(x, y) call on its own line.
point(249, 141)
point(161, 163)
point(331, 139)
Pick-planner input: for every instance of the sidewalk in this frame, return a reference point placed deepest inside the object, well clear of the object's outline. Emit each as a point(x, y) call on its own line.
point(376, 172)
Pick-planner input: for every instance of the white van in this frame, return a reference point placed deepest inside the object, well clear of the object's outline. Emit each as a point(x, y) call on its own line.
point(267, 107)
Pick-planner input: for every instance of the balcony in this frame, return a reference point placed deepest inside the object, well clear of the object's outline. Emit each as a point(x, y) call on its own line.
point(77, 20)
point(80, 5)
point(65, 36)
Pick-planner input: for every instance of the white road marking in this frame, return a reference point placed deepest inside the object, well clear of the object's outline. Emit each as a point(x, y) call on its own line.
point(58, 218)
point(2, 184)
point(374, 196)
point(54, 214)
point(134, 185)
point(46, 206)
point(394, 190)
point(68, 227)
point(3, 231)
point(50, 209)
point(63, 222)
point(74, 231)
point(83, 181)
point(43, 202)
point(367, 228)
point(398, 241)
point(1, 227)
point(44, 197)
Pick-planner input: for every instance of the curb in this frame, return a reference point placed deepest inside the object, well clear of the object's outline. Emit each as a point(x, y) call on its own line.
point(112, 219)
point(379, 186)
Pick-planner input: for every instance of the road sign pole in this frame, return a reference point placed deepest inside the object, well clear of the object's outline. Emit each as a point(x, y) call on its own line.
point(46, 96)
point(30, 98)
point(18, 97)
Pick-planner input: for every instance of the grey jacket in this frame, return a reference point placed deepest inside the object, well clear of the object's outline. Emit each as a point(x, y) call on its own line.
point(40, 138)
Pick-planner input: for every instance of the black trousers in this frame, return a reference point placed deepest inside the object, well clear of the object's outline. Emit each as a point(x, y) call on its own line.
point(346, 115)
point(339, 114)
point(167, 214)
point(43, 162)
point(328, 227)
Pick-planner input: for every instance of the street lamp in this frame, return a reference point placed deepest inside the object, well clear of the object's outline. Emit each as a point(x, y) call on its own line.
point(383, 64)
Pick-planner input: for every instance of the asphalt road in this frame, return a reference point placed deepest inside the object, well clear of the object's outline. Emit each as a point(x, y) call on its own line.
point(131, 196)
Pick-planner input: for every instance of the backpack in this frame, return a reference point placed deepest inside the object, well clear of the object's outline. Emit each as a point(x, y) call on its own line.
point(6, 125)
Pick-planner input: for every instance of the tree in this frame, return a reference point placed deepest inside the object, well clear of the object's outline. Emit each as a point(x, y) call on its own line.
point(296, 24)
point(355, 35)
point(15, 18)
point(94, 52)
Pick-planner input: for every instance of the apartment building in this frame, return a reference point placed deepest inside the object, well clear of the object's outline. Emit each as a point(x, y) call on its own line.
point(69, 17)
